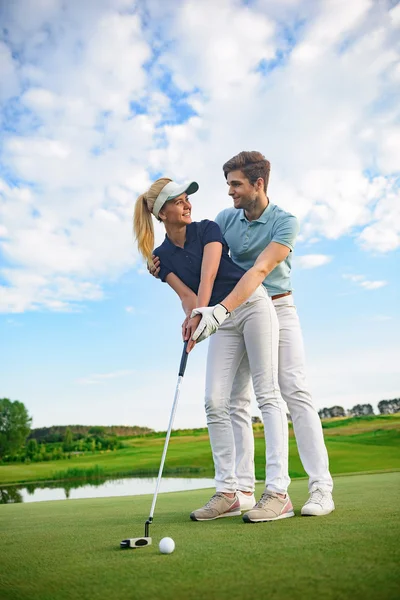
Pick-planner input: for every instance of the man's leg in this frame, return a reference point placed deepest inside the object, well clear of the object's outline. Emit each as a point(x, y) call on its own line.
point(225, 352)
point(306, 422)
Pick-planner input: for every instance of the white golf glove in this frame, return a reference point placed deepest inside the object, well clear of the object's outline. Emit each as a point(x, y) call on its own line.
point(212, 317)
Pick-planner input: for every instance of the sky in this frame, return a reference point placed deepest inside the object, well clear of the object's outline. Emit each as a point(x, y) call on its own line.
point(98, 98)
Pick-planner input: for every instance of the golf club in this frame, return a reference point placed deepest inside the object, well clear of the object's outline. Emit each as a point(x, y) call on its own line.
point(146, 540)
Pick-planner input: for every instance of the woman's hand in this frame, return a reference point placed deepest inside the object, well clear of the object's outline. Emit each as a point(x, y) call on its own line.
point(185, 332)
point(191, 326)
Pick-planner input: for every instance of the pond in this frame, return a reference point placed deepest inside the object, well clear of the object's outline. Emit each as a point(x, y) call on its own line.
point(130, 486)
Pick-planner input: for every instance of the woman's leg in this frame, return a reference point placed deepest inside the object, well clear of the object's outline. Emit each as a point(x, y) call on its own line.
point(240, 412)
point(225, 353)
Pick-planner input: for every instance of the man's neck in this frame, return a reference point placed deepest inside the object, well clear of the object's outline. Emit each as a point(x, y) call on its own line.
point(176, 235)
point(254, 212)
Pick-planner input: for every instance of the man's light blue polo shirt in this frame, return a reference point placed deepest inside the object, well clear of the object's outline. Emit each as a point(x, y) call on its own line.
point(247, 239)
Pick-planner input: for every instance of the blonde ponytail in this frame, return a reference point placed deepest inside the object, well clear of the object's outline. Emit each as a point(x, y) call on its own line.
point(142, 220)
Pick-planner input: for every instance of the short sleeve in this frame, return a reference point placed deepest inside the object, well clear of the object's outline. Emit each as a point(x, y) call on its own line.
point(210, 232)
point(164, 269)
point(164, 272)
point(220, 220)
point(285, 231)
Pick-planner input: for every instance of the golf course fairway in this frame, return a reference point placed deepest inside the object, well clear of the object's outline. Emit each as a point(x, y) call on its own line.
point(69, 550)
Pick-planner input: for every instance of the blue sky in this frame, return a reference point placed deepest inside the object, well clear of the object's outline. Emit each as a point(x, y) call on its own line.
point(97, 98)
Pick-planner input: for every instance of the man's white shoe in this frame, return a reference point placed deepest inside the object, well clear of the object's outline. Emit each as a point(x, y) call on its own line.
point(247, 502)
point(320, 503)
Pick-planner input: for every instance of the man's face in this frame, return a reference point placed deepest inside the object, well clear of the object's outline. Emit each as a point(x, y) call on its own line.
point(242, 192)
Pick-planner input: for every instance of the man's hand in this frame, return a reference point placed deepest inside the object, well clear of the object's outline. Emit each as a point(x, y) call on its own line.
point(154, 269)
point(212, 317)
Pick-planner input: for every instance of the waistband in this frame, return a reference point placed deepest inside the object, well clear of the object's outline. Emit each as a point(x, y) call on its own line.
point(280, 295)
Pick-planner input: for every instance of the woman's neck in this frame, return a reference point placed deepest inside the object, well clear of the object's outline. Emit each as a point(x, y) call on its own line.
point(176, 234)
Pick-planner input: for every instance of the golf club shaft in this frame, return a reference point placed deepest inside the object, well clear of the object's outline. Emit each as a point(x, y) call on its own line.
point(182, 368)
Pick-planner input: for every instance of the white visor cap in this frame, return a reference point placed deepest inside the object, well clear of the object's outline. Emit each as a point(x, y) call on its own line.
point(173, 190)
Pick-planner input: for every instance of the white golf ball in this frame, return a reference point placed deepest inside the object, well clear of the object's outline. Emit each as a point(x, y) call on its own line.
point(167, 545)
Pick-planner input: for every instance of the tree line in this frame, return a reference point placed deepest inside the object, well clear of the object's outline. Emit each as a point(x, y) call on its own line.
point(18, 443)
point(385, 407)
point(56, 433)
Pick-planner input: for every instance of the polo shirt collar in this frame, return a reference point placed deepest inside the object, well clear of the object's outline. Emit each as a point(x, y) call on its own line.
point(263, 218)
point(190, 235)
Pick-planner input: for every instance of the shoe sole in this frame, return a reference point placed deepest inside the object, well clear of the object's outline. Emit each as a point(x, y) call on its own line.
point(247, 519)
point(235, 513)
point(323, 513)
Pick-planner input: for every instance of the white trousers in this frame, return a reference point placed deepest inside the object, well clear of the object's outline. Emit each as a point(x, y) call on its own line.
point(293, 385)
point(251, 331)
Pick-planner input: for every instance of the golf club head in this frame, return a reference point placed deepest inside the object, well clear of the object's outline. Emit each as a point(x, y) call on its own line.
point(135, 542)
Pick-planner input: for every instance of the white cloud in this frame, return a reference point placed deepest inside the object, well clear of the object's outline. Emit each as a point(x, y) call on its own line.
point(310, 261)
point(365, 283)
point(373, 285)
point(383, 233)
point(76, 156)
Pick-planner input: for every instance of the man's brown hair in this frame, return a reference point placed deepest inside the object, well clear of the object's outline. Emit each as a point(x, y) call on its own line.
point(252, 164)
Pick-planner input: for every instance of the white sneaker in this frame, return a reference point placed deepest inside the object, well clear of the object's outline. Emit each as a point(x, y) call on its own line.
point(246, 502)
point(320, 503)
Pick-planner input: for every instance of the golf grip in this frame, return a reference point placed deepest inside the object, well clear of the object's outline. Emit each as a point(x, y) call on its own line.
point(184, 358)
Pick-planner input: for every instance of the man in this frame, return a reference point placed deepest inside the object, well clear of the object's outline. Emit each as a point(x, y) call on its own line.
point(261, 237)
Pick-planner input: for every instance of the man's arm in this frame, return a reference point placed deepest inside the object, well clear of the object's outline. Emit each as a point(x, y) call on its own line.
point(266, 262)
point(154, 267)
point(214, 316)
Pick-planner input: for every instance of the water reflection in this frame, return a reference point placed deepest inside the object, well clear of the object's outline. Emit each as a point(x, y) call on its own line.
point(130, 486)
point(10, 495)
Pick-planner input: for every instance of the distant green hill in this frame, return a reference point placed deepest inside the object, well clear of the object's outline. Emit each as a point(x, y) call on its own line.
point(354, 445)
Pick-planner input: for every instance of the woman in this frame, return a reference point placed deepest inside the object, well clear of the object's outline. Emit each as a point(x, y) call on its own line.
point(196, 264)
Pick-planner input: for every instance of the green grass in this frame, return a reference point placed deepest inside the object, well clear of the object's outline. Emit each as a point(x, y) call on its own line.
point(354, 445)
point(69, 550)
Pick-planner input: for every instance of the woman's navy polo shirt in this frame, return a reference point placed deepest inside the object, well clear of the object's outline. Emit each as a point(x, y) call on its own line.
point(185, 262)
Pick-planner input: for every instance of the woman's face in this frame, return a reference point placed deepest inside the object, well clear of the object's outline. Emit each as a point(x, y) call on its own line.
point(177, 211)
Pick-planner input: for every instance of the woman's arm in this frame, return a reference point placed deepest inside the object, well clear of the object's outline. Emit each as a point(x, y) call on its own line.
point(209, 268)
point(187, 296)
